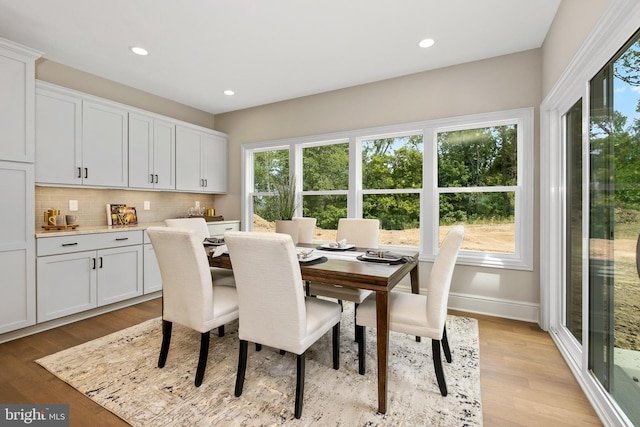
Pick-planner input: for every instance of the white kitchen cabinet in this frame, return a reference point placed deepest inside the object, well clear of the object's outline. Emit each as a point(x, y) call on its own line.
point(105, 154)
point(81, 272)
point(58, 138)
point(152, 278)
point(17, 222)
point(151, 153)
point(218, 228)
point(201, 161)
point(17, 247)
point(17, 77)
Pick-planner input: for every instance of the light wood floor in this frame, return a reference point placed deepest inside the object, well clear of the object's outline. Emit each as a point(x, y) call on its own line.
point(525, 381)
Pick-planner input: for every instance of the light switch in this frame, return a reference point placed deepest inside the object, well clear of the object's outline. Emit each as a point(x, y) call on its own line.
point(73, 205)
point(147, 205)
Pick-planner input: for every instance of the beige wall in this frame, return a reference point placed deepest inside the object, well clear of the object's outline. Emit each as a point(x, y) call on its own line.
point(572, 24)
point(72, 78)
point(501, 83)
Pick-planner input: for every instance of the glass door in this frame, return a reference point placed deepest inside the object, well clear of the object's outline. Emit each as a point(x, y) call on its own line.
point(614, 228)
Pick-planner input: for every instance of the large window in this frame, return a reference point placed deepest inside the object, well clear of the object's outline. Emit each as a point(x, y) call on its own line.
point(419, 179)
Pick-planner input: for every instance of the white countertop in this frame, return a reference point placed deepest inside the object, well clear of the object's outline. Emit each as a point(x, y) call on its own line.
point(107, 229)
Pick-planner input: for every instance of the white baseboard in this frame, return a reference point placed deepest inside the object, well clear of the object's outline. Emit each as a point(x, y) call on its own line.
point(508, 309)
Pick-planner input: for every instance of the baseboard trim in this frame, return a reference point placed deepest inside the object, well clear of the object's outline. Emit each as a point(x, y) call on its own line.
point(41, 327)
point(497, 307)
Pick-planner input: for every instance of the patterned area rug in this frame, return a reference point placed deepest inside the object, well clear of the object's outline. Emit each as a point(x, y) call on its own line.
point(120, 372)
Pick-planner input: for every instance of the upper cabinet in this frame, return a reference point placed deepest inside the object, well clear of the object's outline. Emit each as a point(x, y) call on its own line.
point(89, 141)
point(17, 71)
point(79, 141)
point(105, 151)
point(151, 153)
point(201, 160)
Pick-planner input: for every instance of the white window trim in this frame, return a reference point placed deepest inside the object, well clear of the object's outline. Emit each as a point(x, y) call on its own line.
point(522, 259)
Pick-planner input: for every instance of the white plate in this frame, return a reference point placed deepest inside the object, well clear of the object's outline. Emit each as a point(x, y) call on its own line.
point(312, 257)
point(336, 248)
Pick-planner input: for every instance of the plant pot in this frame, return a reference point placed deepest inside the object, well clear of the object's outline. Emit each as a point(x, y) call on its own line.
point(289, 227)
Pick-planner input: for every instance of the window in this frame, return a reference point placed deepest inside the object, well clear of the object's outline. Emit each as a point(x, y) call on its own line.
point(418, 179)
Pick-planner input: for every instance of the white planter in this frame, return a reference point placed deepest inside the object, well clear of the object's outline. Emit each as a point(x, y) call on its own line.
point(289, 227)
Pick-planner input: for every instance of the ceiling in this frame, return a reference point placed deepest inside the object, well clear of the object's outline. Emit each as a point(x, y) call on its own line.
point(269, 50)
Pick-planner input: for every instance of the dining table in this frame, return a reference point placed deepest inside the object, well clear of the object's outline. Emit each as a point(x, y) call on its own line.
point(348, 269)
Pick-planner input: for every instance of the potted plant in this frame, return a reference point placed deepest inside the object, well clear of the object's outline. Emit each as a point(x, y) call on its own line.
point(286, 203)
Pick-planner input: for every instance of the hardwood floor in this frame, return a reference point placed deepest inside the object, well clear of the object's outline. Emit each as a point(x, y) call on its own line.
point(525, 381)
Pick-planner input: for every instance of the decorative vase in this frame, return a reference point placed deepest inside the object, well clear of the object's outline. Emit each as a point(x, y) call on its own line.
point(288, 226)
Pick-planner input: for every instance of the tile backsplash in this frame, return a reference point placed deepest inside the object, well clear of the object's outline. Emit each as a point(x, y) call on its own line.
point(91, 203)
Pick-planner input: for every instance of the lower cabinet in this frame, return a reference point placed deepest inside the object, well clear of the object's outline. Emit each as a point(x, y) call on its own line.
point(152, 278)
point(71, 280)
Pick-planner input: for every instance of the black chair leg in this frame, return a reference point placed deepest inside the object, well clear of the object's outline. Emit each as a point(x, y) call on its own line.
point(166, 340)
point(336, 346)
point(258, 347)
point(362, 349)
point(437, 365)
point(242, 366)
point(202, 360)
point(445, 345)
point(299, 385)
point(221, 331)
point(355, 315)
point(282, 352)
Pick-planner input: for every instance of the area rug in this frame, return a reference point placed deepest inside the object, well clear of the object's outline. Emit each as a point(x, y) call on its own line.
point(120, 372)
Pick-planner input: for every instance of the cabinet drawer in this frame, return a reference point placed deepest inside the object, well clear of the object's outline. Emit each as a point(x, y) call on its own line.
point(85, 242)
point(218, 229)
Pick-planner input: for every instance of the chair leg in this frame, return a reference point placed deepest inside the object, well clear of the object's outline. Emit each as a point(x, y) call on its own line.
point(336, 346)
point(299, 385)
point(166, 340)
point(362, 349)
point(282, 352)
point(355, 315)
point(258, 347)
point(437, 364)
point(221, 331)
point(445, 345)
point(202, 361)
point(242, 366)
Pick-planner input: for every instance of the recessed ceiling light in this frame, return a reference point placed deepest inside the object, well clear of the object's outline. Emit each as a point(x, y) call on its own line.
point(139, 50)
point(426, 43)
point(229, 92)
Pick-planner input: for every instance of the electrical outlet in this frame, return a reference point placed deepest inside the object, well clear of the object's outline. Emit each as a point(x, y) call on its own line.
point(73, 205)
point(147, 205)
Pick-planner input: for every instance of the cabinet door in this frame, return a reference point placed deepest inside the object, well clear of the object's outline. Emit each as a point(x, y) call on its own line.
point(104, 145)
point(164, 149)
point(17, 76)
point(58, 138)
point(119, 274)
point(214, 163)
point(141, 173)
point(188, 159)
point(152, 277)
point(17, 247)
point(66, 284)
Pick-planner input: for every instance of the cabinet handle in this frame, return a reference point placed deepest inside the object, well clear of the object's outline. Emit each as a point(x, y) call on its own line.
point(86, 172)
point(100, 262)
point(156, 179)
point(121, 238)
point(228, 228)
point(79, 172)
point(206, 183)
point(201, 182)
point(94, 263)
point(70, 244)
point(151, 182)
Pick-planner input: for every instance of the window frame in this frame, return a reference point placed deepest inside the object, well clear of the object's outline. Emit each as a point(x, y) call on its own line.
point(523, 118)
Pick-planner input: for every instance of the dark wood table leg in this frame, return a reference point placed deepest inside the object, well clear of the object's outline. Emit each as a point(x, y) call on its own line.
point(382, 330)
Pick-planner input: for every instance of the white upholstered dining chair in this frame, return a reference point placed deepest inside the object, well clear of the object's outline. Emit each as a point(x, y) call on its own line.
point(273, 308)
point(306, 228)
point(364, 234)
point(188, 295)
point(419, 315)
point(220, 276)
